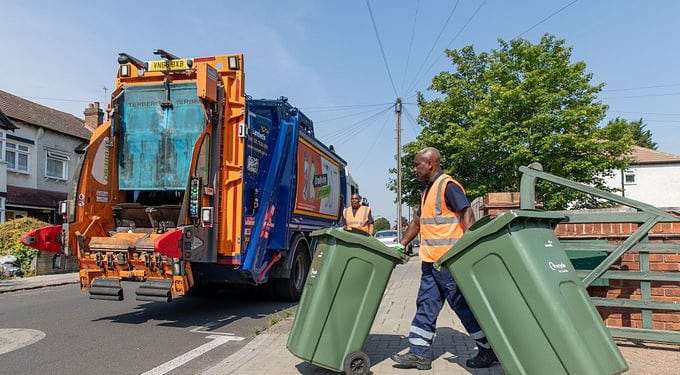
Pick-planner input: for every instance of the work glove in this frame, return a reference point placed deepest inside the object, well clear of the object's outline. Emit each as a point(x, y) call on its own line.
point(437, 267)
point(400, 249)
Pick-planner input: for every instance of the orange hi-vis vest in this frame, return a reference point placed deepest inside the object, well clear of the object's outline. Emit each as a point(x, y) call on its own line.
point(360, 220)
point(440, 227)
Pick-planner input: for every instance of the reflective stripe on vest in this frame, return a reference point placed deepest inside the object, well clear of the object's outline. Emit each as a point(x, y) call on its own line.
point(360, 220)
point(440, 242)
point(440, 227)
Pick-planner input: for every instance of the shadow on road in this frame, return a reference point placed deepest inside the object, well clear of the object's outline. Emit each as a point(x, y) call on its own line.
point(211, 310)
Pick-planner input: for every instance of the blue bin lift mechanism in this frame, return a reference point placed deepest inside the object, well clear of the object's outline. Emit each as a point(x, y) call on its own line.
point(156, 155)
point(273, 130)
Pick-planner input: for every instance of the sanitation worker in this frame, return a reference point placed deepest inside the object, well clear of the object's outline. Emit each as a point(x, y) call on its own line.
point(358, 216)
point(443, 216)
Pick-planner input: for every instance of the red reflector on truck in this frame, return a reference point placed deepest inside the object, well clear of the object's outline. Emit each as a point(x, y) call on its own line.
point(44, 239)
point(169, 243)
point(201, 59)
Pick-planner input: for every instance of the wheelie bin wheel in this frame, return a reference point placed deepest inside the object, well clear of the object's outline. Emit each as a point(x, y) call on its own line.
point(357, 363)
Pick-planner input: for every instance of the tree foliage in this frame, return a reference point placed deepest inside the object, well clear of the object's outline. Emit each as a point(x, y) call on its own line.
point(381, 223)
point(641, 135)
point(10, 244)
point(517, 104)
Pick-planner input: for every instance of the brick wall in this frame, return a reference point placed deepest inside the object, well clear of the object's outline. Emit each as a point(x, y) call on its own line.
point(660, 235)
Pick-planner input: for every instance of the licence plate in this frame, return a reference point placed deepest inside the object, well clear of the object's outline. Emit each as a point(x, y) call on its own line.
point(165, 65)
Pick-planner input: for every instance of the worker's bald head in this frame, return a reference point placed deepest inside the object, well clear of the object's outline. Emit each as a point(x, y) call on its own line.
point(427, 163)
point(432, 154)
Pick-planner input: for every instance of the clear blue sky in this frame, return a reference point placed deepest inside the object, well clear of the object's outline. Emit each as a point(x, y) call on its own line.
point(324, 53)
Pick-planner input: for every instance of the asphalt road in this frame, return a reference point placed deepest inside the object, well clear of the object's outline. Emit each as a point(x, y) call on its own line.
point(64, 332)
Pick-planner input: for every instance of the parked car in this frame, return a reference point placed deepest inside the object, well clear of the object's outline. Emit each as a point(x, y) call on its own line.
point(389, 238)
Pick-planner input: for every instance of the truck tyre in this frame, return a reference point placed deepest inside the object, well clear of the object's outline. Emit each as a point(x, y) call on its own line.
point(290, 289)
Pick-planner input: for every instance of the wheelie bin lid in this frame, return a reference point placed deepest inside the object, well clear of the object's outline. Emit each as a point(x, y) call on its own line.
point(487, 226)
point(364, 240)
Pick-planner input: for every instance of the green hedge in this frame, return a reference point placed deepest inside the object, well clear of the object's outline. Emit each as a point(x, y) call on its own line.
point(10, 236)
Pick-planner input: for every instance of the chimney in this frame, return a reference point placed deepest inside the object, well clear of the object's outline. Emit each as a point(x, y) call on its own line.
point(94, 116)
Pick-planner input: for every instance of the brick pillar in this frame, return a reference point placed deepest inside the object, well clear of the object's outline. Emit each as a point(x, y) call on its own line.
point(94, 116)
point(496, 203)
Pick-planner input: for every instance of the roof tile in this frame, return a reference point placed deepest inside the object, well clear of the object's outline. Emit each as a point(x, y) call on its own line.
point(33, 113)
point(642, 155)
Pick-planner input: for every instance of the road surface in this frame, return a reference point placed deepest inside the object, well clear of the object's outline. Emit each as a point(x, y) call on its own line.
point(58, 330)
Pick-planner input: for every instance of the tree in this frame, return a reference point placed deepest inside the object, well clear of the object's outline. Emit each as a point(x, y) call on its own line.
point(641, 135)
point(381, 224)
point(520, 103)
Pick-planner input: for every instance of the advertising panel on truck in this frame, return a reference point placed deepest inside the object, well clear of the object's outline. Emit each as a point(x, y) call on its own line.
point(318, 183)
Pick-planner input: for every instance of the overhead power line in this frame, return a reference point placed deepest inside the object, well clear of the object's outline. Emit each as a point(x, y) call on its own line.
point(551, 15)
point(640, 96)
point(410, 47)
point(412, 121)
point(358, 130)
point(58, 99)
point(436, 40)
point(345, 116)
point(642, 87)
point(647, 113)
point(338, 134)
point(341, 107)
point(375, 141)
point(382, 50)
point(417, 79)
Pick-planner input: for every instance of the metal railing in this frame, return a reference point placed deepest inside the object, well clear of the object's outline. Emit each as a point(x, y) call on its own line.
point(646, 216)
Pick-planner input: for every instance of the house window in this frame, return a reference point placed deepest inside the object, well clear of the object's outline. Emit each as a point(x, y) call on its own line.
point(629, 177)
point(16, 156)
point(56, 165)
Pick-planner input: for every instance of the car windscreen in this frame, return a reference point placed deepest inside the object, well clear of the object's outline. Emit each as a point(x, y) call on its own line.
point(386, 234)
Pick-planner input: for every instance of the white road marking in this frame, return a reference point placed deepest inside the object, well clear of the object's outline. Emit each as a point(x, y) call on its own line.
point(12, 339)
point(172, 364)
point(204, 329)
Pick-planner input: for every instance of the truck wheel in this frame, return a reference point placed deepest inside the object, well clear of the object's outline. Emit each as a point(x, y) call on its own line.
point(290, 289)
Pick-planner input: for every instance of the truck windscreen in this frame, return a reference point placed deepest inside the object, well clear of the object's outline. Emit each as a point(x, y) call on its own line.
point(156, 142)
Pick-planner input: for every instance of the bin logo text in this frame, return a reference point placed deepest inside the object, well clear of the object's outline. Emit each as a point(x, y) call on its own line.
point(559, 267)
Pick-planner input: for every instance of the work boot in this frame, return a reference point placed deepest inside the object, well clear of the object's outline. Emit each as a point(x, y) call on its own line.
point(484, 358)
point(410, 360)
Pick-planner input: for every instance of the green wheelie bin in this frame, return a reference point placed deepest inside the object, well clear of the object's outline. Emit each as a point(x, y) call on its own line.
point(527, 298)
point(345, 285)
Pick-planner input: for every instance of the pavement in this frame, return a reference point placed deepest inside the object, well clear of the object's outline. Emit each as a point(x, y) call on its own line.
point(35, 282)
point(267, 353)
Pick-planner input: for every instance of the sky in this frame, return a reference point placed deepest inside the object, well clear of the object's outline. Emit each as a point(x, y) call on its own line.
point(324, 56)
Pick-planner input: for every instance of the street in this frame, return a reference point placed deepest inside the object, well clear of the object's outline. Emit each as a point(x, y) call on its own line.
point(128, 337)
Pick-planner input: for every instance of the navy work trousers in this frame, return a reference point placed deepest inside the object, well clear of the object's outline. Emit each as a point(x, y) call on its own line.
point(435, 287)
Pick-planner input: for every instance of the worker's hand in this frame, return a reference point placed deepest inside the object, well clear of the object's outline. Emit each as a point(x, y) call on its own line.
point(400, 248)
point(437, 267)
point(347, 228)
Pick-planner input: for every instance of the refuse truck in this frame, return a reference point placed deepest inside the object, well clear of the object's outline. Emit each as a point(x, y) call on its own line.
point(190, 182)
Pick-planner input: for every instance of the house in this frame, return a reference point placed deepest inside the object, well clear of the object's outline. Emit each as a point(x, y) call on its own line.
point(653, 177)
point(38, 156)
point(5, 125)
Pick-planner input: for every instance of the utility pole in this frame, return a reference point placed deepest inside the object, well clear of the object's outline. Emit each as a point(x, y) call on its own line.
point(397, 111)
